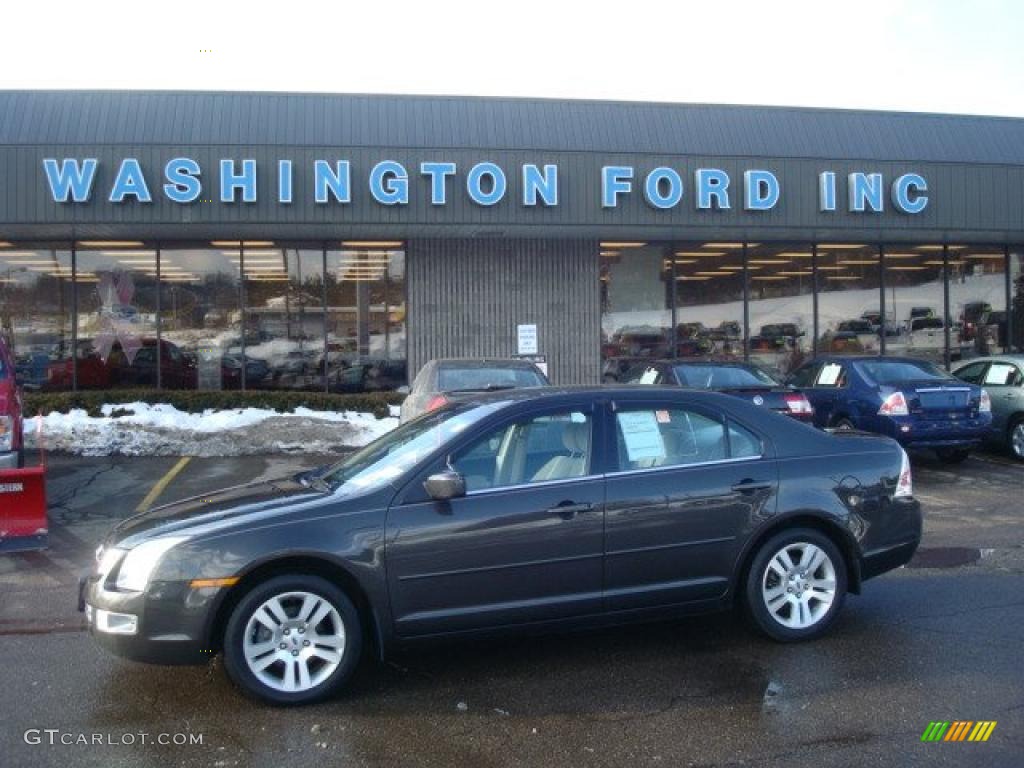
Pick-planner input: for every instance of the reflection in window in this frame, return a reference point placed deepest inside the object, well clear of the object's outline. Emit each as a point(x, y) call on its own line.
point(117, 300)
point(977, 301)
point(913, 303)
point(35, 313)
point(366, 338)
point(848, 304)
point(708, 290)
point(781, 306)
point(636, 314)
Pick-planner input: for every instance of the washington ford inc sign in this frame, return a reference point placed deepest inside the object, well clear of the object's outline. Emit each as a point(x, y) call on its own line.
point(73, 180)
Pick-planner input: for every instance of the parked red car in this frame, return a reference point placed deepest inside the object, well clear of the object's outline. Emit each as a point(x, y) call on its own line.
point(12, 453)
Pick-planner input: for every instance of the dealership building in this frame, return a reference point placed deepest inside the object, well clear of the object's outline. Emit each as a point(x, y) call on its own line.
point(308, 241)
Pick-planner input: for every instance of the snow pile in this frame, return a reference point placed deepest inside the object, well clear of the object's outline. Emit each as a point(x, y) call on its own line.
point(141, 429)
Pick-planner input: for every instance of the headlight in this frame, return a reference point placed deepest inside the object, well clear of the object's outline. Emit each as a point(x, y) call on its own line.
point(6, 432)
point(140, 562)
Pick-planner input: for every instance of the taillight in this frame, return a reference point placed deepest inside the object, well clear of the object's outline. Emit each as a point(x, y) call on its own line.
point(894, 405)
point(905, 483)
point(798, 404)
point(436, 402)
point(985, 406)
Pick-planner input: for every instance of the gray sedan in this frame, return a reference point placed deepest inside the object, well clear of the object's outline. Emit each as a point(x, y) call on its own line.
point(442, 378)
point(1002, 376)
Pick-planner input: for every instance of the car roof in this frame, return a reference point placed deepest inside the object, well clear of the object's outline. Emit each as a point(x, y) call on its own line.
point(481, 362)
point(1013, 357)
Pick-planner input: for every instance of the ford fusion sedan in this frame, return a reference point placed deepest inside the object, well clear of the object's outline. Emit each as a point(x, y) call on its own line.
point(913, 401)
point(739, 379)
point(516, 511)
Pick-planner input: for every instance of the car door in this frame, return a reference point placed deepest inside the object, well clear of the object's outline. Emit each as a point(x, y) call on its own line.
point(686, 483)
point(524, 544)
point(1003, 383)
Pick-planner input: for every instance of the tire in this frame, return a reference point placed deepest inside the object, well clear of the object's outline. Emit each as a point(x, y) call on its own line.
point(795, 617)
point(1015, 438)
point(952, 455)
point(843, 423)
point(325, 672)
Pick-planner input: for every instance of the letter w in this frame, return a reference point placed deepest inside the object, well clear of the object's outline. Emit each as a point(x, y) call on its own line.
point(70, 179)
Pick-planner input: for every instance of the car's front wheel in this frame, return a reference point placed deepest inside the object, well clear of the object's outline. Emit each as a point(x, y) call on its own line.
point(796, 585)
point(1017, 438)
point(293, 640)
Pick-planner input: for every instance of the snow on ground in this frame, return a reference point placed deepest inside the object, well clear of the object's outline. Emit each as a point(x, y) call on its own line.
point(140, 429)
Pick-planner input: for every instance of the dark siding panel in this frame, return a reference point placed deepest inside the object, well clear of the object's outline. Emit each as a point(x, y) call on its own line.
point(467, 296)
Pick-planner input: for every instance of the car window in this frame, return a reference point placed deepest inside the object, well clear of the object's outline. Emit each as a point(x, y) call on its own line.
point(926, 324)
point(724, 376)
point(804, 375)
point(644, 374)
point(1002, 375)
point(450, 379)
point(831, 375)
point(896, 371)
point(554, 446)
point(971, 373)
point(668, 437)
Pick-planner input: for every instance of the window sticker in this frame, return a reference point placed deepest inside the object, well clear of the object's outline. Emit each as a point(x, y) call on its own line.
point(663, 417)
point(649, 376)
point(641, 435)
point(999, 374)
point(829, 374)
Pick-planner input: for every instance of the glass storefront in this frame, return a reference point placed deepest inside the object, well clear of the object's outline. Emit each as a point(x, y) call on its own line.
point(332, 316)
point(735, 300)
point(216, 315)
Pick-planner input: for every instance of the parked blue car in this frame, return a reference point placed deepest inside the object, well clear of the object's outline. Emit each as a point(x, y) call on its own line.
point(913, 401)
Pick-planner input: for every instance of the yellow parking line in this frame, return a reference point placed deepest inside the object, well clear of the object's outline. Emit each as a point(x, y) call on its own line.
point(162, 483)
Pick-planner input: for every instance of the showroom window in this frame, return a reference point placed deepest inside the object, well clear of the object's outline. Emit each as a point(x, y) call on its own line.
point(914, 301)
point(977, 301)
point(37, 312)
point(781, 310)
point(848, 280)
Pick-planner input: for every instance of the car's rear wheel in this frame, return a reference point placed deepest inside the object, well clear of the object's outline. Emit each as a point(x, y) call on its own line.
point(293, 640)
point(952, 455)
point(844, 424)
point(1017, 438)
point(796, 585)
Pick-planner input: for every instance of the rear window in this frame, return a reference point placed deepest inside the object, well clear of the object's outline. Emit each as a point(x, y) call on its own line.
point(450, 379)
point(926, 323)
point(895, 371)
point(723, 376)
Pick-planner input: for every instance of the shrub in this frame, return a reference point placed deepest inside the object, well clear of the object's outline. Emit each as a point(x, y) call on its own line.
point(197, 401)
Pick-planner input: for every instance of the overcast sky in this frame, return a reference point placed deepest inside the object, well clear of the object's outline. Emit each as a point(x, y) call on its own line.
point(918, 55)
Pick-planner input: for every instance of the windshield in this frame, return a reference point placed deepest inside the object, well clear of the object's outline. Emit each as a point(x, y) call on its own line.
point(896, 371)
point(723, 376)
point(926, 323)
point(491, 377)
point(392, 455)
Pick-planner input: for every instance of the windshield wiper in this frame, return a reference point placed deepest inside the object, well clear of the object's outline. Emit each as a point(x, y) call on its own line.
point(313, 479)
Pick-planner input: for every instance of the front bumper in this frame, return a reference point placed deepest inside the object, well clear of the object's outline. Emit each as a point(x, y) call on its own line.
point(172, 621)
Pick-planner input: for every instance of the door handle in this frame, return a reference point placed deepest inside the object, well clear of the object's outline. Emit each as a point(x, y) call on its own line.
point(568, 510)
point(748, 486)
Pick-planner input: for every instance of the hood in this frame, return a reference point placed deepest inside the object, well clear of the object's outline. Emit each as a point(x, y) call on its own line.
point(224, 506)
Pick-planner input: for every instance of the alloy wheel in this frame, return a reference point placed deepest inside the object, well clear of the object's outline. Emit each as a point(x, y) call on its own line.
point(799, 585)
point(1017, 440)
point(294, 641)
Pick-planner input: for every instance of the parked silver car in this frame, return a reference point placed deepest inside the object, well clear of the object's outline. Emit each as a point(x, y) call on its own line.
point(443, 378)
point(1002, 376)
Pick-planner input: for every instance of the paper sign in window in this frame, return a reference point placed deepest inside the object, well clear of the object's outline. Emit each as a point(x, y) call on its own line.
point(650, 376)
point(999, 374)
point(829, 375)
point(641, 435)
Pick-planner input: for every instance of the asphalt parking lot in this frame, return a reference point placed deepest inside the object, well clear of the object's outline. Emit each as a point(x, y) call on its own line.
point(940, 640)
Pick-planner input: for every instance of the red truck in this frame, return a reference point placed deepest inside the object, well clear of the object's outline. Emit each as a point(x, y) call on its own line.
point(12, 452)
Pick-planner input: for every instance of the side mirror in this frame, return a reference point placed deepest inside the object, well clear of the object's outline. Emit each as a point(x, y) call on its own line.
point(445, 485)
